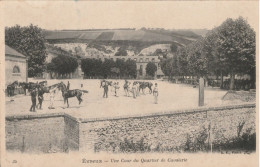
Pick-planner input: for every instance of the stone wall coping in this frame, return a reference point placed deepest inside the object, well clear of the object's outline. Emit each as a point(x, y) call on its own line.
point(165, 113)
point(34, 116)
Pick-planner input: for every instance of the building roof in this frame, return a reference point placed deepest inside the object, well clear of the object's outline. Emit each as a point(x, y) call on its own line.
point(12, 52)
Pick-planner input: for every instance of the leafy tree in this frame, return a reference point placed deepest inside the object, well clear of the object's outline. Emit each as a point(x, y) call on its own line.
point(237, 47)
point(182, 61)
point(120, 64)
point(151, 69)
point(87, 66)
point(64, 64)
point(197, 61)
point(174, 48)
point(29, 41)
point(130, 68)
point(107, 65)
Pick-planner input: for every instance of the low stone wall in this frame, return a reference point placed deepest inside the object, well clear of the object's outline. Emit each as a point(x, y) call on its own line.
point(42, 133)
point(162, 131)
point(166, 131)
point(35, 133)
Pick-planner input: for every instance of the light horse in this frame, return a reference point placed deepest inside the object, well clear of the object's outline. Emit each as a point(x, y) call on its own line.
point(70, 93)
point(10, 88)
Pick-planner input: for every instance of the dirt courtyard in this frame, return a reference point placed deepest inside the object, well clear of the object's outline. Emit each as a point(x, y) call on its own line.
point(172, 97)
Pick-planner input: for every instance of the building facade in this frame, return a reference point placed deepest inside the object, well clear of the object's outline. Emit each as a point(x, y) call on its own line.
point(16, 67)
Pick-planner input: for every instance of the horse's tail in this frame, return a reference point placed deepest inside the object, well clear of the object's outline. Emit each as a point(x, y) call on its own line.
point(85, 91)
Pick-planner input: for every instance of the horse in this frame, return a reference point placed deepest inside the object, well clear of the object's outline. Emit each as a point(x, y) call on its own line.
point(25, 86)
point(71, 93)
point(144, 85)
point(42, 83)
point(10, 88)
point(110, 83)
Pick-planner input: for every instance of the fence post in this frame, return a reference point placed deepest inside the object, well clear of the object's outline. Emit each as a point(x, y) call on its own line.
point(201, 92)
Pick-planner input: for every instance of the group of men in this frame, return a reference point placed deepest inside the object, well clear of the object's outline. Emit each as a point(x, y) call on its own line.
point(38, 91)
point(129, 88)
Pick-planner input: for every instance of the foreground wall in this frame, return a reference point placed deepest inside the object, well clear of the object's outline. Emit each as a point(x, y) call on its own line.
point(166, 131)
point(163, 131)
point(41, 133)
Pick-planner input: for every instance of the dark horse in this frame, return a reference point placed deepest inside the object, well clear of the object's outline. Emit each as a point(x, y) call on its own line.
point(70, 93)
point(109, 83)
point(11, 88)
point(144, 85)
point(31, 85)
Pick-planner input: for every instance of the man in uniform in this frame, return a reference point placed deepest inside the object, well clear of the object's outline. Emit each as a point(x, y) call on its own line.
point(40, 97)
point(155, 94)
point(33, 98)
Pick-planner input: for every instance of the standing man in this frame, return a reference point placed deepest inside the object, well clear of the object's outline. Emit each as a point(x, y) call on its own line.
point(68, 85)
point(134, 90)
point(33, 98)
point(40, 97)
point(116, 86)
point(155, 94)
point(52, 95)
point(105, 90)
point(126, 88)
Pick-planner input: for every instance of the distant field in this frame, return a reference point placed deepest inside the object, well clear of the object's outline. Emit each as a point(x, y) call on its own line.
point(183, 38)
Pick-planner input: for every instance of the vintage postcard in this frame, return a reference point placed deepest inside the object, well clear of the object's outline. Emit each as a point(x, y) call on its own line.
point(129, 83)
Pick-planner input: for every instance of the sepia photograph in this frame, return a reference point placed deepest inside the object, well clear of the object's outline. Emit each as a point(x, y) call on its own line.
point(128, 83)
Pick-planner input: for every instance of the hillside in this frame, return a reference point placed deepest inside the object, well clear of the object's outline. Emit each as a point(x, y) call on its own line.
point(178, 36)
point(110, 41)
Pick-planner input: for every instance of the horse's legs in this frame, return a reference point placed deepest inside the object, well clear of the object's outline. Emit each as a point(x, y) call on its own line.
point(79, 99)
point(68, 103)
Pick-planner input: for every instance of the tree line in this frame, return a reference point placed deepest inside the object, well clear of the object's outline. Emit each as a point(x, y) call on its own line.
point(227, 50)
point(95, 68)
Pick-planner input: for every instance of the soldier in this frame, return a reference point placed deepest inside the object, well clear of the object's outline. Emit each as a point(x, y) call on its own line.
point(52, 95)
point(40, 98)
point(116, 86)
point(126, 85)
point(33, 98)
point(105, 90)
point(134, 90)
point(68, 86)
point(155, 94)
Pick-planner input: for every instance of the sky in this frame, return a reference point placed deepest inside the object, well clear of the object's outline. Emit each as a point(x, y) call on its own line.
point(124, 14)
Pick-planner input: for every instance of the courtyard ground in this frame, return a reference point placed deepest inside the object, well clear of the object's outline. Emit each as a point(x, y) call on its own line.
point(172, 97)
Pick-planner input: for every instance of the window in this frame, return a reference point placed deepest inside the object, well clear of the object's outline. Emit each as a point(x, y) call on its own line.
point(16, 69)
point(135, 59)
point(141, 60)
point(147, 59)
point(123, 59)
point(152, 59)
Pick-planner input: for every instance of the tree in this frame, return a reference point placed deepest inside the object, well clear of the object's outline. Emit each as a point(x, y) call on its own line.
point(130, 68)
point(237, 47)
point(64, 64)
point(107, 65)
point(87, 66)
point(151, 69)
point(29, 41)
point(174, 48)
point(197, 61)
point(120, 64)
